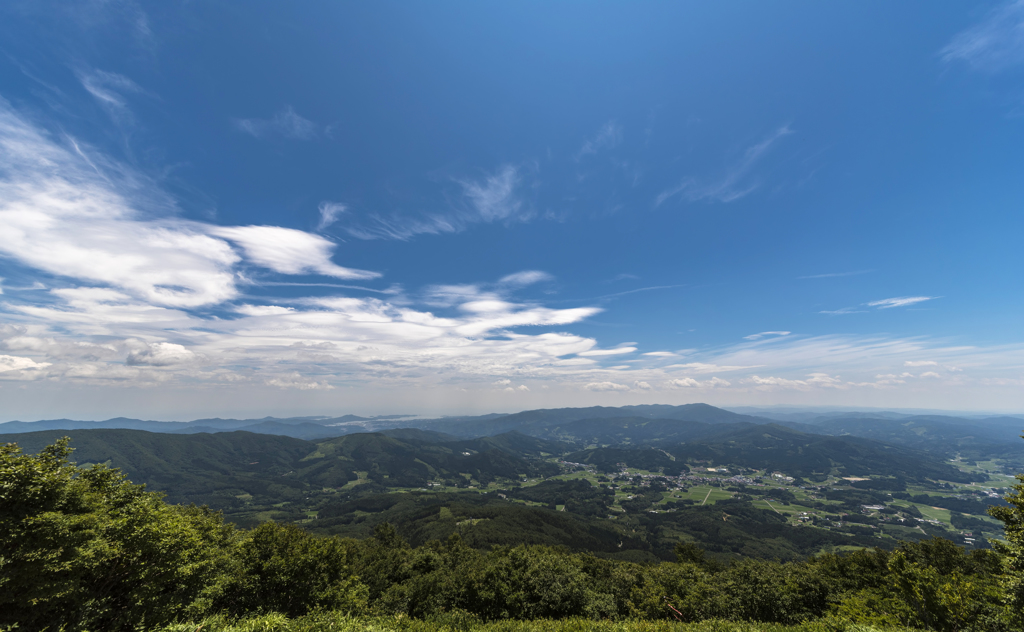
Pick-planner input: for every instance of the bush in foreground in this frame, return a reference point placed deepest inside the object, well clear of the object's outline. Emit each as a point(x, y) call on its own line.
point(462, 622)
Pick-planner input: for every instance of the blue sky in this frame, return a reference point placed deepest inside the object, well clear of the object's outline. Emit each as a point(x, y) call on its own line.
point(447, 207)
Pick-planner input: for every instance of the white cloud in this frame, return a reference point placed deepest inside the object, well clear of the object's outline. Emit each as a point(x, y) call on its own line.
point(286, 123)
point(996, 43)
point(504, 382)
point(684, 382)
point(899, 301)
point(522, 388)
point(57, 214)
point(825, 380)
point(78, 216)
point(920, 363)
point(375, 226)
point(764, 334)
point(830, 275)
point(298, 382)
point(607, 137)
point(449, 295)
point(495, 198)
point(605, 386)
point(139, 271)
point(642, 386)
point(526, 277)
point(160, 354)
point(622, 277)
point(890, 379)
point(608, 352)
point(127, 269)
point(288, 251)
point(689, 382)
point(108, 89)
point(930, 374)
point(733, 185)
point(886, 303)
point(329, 213)
point(770, 382)
point(16, 363)
point(703, 367)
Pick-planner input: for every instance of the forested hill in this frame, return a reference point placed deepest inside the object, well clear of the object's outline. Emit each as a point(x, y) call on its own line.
point(551, 422)
point(659, 483)
point(225, 469)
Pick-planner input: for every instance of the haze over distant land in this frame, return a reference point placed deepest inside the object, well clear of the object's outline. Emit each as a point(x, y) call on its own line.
point(238, 211)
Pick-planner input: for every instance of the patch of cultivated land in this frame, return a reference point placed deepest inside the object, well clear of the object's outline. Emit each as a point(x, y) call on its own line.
point(803, 503)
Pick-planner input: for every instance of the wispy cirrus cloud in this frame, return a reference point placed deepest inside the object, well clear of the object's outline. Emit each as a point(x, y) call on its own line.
point(109, 89)
point(641, 289)
point(607, 137)
point(899, 301)
point(287, 124)
point(330, 212)
point(734, 185)
point(994, 44)
point(708, 367)
point(71, 212)
point(607, 352)
point(401, 227)
point(832, 275)
point(885, 303)
point(493, 198)
point(524, 278)
point(765, 334)
point(135, 295)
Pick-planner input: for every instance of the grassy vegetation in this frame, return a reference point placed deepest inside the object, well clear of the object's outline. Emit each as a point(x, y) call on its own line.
point(339, 622)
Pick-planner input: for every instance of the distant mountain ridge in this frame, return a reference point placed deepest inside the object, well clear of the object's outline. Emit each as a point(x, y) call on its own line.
point(606, 426)
point(299, 427)
point(315, 427)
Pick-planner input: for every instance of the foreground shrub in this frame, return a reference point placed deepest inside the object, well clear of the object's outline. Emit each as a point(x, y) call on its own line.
point(285, 569)
point(82, 548)
point(336, 622)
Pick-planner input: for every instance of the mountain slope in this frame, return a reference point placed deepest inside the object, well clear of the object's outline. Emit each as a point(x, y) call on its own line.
point(538, 422)
point(776, 447)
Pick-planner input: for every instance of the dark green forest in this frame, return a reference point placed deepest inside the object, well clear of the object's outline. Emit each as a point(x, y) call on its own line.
point(83, 548)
